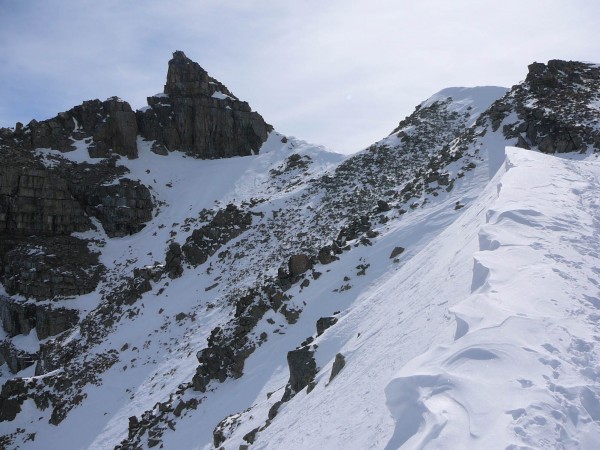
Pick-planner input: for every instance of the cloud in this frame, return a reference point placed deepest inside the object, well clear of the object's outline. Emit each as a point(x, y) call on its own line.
point(294, 62)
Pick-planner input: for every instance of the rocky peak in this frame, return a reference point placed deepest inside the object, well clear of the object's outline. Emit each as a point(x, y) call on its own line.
point(200, 116)
point(556, 73)
point(555, 108)
point(185, 78)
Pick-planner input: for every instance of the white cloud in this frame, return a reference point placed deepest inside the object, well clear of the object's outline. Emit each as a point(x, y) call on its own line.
point(294, 62)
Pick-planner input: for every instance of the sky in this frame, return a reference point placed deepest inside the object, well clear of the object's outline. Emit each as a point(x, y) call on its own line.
point(340, 73)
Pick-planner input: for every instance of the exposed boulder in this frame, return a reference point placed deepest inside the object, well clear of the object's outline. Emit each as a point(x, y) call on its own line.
point(396, 252)
point(338, 365)
point(383, 206)
point(326, 255)
point(298, 264)
point(303, 370)
point(173, 265)
point(325, 322)
point(200, 116)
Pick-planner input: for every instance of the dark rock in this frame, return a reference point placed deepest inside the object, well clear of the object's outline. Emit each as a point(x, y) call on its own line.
point(383, 206)
point(159, 149)
point(119, 132)
point(17, 317)
point(291, 315)
point(179, 408)
point(298, 264)
point(173, 262)
point(153, 442)
point(200, 116)
point(353, 230)
point(13, 394)
point(122, 208)
point(46, 268)
point(396, 252)
point(325, 255)
point(303, 370)
point(274, 409)
point(338, 365)
point(325, 322)
point(250, 437)
point(110, 125)
point(36, 201)
point(226, 225)
point(52, 321)
point(15, 359)
point(133, 426)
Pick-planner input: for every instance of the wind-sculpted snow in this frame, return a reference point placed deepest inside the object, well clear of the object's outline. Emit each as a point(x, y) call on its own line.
point(524, 367)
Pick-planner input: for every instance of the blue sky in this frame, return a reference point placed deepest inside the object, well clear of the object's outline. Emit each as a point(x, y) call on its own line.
point(337, 73)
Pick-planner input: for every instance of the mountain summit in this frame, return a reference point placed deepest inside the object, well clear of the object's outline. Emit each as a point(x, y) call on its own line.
point(435, 290)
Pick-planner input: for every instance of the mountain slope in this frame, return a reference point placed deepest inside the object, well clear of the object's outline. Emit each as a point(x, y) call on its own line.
point(507, 364)
point(214, 315)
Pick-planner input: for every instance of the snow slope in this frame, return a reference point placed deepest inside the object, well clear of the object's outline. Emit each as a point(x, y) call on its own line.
point(487, 338)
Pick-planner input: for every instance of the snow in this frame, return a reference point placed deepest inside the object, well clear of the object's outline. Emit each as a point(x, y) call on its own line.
point(220, 96)
point(483, 334)
point(486, 338)
point(473, 100)
point(79, 155)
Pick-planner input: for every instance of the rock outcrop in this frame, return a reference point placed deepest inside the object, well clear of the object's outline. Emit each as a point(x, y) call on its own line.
point(107, 127)
point(39, 268)
point(303, 370)
point(34, 200)
point(226, 225)
point(200, 116)
point(556, 108)
point(21, 317)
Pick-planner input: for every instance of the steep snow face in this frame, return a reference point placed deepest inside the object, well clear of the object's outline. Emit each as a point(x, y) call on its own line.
point(486, 338)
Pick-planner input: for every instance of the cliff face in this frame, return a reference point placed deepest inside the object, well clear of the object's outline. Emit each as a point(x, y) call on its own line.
point(200, 116)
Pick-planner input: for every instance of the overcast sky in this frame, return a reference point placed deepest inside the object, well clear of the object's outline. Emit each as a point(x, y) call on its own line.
point(341, 73)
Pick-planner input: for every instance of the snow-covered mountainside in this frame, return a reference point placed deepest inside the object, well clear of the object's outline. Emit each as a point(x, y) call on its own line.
point(435, 290)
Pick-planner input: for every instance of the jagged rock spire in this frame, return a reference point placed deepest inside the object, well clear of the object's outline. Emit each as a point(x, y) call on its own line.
point(199, 115)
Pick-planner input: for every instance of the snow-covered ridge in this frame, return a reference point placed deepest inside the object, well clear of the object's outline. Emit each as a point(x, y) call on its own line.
point(468, 354)
point(523, 367)
point(471, 100)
